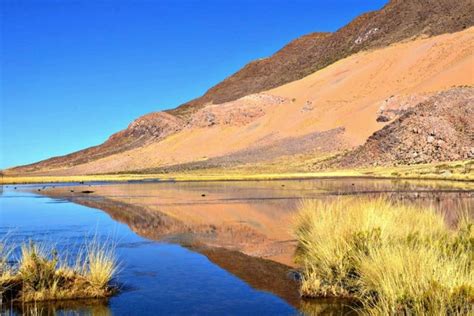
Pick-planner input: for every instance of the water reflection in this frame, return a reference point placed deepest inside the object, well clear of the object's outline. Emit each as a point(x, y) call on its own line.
point(155, 277)
point(233, 225)
point(253, 217)
point(81, 307)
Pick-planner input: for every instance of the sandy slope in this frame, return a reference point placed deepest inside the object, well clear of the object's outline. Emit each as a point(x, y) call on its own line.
point(398, 20)
point(345, 94)
point(349, 92)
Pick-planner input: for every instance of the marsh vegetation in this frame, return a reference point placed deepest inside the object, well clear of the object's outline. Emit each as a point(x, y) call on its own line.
point(390, 258)
point(33, 272)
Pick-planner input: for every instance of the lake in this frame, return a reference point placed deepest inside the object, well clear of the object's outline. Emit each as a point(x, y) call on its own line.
point(197, 247)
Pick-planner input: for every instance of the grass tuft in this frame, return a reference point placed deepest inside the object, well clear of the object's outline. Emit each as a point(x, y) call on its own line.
point(5, 268)
point(392, 258)
point(41, 275)
point(101, 265)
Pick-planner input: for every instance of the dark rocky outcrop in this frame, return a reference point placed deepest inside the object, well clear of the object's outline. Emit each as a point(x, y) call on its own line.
point(438, 129)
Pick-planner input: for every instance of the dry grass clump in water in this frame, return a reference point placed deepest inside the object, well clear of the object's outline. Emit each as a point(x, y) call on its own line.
point(6, 272)
point(100, 266)
point(41, 275)
point(392, 258)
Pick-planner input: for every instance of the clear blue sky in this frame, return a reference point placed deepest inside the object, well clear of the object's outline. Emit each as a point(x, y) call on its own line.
point(74, 72)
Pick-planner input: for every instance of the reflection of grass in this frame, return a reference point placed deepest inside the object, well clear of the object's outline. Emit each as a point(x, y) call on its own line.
point(284, 169)
point(41, 275)
point(326, 307)
point(393, 258)
point(69, 307)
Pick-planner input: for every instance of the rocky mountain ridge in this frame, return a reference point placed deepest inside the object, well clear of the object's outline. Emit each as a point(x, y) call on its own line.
point(396, 21)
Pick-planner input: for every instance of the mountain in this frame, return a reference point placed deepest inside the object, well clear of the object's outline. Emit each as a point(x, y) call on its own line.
point(321, 94)
point(397, 21)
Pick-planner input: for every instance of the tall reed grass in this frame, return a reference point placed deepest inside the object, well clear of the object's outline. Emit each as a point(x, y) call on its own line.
point(5, 269)
point(392, 258)
point(42, 274)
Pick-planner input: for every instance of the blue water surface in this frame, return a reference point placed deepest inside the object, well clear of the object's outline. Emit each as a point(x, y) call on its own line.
point(156, 278)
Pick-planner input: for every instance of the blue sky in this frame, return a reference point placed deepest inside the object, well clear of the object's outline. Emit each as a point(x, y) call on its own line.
point(74, 72)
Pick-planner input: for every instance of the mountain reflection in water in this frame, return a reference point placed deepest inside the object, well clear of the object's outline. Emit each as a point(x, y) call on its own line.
point(253, 217)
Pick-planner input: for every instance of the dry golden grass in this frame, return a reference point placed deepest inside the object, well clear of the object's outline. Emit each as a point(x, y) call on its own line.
point(283, 168)
point(393, 258)
point(100, 266)
point(6, 271)
point(41, 275)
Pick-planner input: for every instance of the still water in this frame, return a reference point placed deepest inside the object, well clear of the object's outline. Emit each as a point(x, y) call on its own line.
point(196, 248)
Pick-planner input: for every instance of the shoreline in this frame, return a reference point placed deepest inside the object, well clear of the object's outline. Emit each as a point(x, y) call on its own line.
point(372, 173)
point(461, 171)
